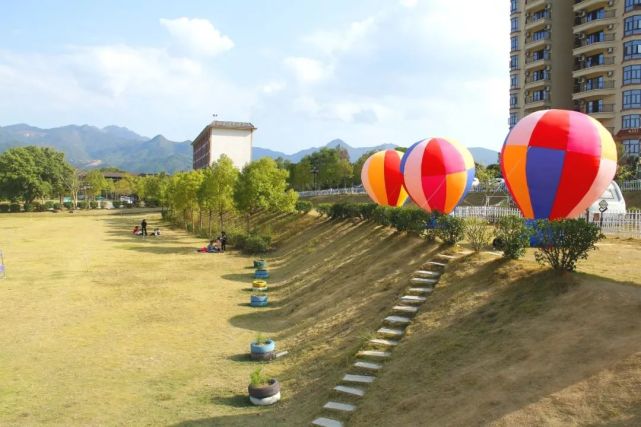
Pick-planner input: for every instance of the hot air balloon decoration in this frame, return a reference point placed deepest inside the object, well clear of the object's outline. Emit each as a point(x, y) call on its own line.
point(438, 173)
point(382, 178)
point(556, 163)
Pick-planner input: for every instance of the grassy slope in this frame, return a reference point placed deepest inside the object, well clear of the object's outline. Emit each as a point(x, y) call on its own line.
point(507, 343)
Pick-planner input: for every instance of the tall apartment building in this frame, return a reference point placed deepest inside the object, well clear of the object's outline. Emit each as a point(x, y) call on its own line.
point(579, 54)
point(234, 139)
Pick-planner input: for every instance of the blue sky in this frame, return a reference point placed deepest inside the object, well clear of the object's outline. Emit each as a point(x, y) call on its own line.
point(367, 71)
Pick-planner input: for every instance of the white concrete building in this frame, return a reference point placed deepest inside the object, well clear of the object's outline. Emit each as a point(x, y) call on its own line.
point(234, 139)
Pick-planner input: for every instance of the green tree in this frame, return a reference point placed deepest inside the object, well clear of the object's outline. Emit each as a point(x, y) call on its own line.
point(358, 167)
point(262, 185)
point(183, 194)
point(95, 182)
point(73, 184)
point(216, 193)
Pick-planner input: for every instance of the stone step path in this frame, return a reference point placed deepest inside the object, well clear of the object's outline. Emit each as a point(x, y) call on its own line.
point(368, 365)
point(362, 379)
point(373, 353)
point(413, 299)
point(393, 332)
point(381, 341)
point(405, 308)
point(408, 305)
point(427, 273)
point(338, 406)
point(421, 290)
point(327, 422)
point(353, 391)
point(398, 319)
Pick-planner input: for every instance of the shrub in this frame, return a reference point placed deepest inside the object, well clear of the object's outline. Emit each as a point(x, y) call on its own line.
point(68, 205)
point(303, 206)
point(38, 207)
point(56, 206)
point(323, 209)
point(14, 207)
point(256, 244)
point(139, 203)
point(4, 208)
point(82, 204)
point(93, 204)
point(477, 232)
point(450, 229)
point(48, 205)
point(117, 203)
point(29, 207)
point(383, 215)
point(256, 378)
point(563, 243)
point(512, 236)
point(129, 205)
point(152, 203)
point(367, 210)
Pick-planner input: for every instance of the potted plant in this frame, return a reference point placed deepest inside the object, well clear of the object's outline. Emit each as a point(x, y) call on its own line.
point(258, 300)
point(263, 390)
point(260, 285)
point(261, 274)
point(259, 263)
point(262, 348)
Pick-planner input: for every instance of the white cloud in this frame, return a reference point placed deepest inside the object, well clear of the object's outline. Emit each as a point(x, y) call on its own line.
point(340, 41)
point(197, 36)
point(308, 70)
point(274, 87)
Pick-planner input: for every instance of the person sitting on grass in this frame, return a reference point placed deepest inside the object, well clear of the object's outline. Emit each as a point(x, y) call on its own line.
point(214, 246)
point(136, 231)
point(156, 232)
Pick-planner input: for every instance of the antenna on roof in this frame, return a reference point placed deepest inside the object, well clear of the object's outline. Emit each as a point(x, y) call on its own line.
point(215, 115)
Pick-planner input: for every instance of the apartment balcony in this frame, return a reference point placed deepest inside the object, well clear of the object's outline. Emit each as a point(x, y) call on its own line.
point(541, 40)
point(537, 101)
point(585, 67)
point(598, 111)
point(585, 44)
point(605, 20)
point(588, 89)
point(536, 80)
point(589, 4)
point(535, 20)
point(537, 61)
point(632, 8)
point(533, 4)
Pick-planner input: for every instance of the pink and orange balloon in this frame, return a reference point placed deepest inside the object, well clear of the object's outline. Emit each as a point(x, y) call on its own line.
point(382, 178)
point(438, 173)
point(556, 163)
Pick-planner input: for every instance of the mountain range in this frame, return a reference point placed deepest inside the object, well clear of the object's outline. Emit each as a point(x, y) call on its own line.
point(113, 146)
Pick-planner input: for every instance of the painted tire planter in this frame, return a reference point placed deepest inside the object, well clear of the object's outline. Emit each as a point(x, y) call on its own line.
point(259, 285)
point(261, 274)
point(272, 388)
point(258, 301)
point(266, 401)
point(260, 263)
point(263, 357)
point(268, 346)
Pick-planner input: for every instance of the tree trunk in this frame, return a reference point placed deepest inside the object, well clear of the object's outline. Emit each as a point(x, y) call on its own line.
point(209, 223)
point(222, 225)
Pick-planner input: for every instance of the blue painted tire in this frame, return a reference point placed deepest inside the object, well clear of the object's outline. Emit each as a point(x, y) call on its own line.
point(261, 274)
point(269, 346)
point(258, 304)
point(258, 301)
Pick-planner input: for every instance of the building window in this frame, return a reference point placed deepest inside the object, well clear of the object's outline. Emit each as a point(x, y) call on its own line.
point(597, 37)
point(513, 6)
point(514, 62)
point(540, 35)
point(632, 4)
point(514, 100)
point(594, 60)
point(594, 15)
point(514, 43)
point(538, 95)
point(513, 119)
point(631, 147)
point(514, 81)
point(631, 121)
point(632, 25)
point(632, 49)
point(595, 106)
point(514, 24)
point(632, 74)
point(631, 99)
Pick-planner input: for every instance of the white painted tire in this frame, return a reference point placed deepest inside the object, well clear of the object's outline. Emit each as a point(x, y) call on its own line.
point(266, 401)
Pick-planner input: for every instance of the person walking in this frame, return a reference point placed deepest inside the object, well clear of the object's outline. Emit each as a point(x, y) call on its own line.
point(223, 241)
point(143, 227)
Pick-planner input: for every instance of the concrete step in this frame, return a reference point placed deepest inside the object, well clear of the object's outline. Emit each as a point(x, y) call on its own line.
point(337, 406)
point(436, 264)
point(381, 341)
point(421, 290)
point(353, 391)
point(413, 299)
point(446, 256)
point(327, 422)
point(362, 379)
point(422, 281)
point(393, 332)
point(368, 365)
point(405, 308)
point(427, 273)
point(398, 319)
point(373, 353)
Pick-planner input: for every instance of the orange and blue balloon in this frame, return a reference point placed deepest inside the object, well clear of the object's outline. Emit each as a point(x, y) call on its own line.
point(382, 178)
point(556, 163)
point(438, 173)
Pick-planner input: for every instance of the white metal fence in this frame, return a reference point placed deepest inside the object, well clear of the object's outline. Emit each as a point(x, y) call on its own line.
point(332, 192)
point(630, 185)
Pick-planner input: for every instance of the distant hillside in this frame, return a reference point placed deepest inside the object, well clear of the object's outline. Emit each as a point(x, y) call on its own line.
point(89, 146)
